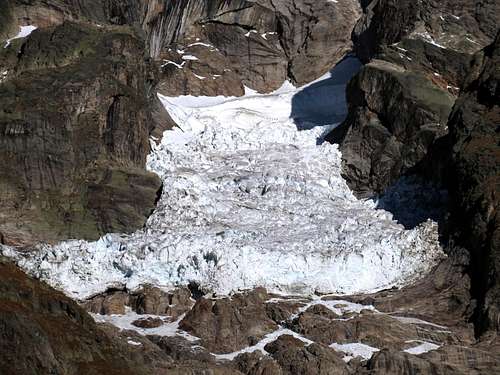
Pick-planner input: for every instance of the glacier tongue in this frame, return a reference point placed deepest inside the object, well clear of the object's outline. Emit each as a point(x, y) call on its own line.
point(248, 201)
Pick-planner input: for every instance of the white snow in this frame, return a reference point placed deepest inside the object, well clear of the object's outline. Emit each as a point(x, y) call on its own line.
point(354, 350)
point(201, 44)
point(339, 307)
point(422, 348)
point(425, 36)
point(271, 337)
point(167, 62)
point(264, 35)
point(134, 343)
point(251, 32)
point(410, 320)
point(190, 58)
point(248, 200)
point(24, 31)
point(124, 322)
point(3, 75)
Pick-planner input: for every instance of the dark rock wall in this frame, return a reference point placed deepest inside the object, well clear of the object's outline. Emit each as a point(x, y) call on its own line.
point(422, 56)
point(461, 25)
point(44, 332)
point(474, 181)
point(394, 117)
point(432, 45)
point(75, 121)
point(263, 42)
point(305, 37)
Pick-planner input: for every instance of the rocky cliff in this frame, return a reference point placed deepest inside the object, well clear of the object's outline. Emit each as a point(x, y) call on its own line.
point(403, 104)
point(44, 332)
point(73, 166)
point(429, 43)
point(474, 181)
point(463, 25)
point(262, 42)
point(395, 115)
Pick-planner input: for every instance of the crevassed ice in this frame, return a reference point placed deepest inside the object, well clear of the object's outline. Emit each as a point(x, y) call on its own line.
point(248, 201)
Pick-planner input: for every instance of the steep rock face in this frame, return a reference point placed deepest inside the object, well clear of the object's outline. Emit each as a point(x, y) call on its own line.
point(73, 165)
point(474, 181)
point(394, 117)
point(44, 332)
point(146, 300)
point(431, 41)
point(43, 13)
point(447, 361)
point(446, 68)
point(463, 25)
point(262, 42)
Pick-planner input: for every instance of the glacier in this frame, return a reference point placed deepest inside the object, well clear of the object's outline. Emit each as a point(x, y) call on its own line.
point(250, 199)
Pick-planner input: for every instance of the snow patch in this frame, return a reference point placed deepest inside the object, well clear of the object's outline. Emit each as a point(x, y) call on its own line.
point(422, 348)
point(354, 350)
point(24, 31)
point(269, 338)
point(168, 62)
point(339, 307)
point(124, 322)
point(250, 32)
point(410, 320)
point(134, 343)
point(190, 58)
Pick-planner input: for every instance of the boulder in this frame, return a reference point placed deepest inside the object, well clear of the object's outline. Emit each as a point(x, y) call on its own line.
point(148, 323)
point(154, 301)
point(146, 300)
point(255, 363)
point(448, 360)
point(295, 358)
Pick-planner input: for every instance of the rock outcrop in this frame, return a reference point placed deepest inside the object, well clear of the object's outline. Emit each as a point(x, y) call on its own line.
point(464, 25)
point(473, 179)
point(447, 361)
point(260, 43)
point(145, 300)
point(296, 358)
point(229, 324)
point(429, 43)
point(394, 117)
point(44, 332)
point(74, 144)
